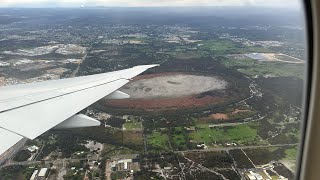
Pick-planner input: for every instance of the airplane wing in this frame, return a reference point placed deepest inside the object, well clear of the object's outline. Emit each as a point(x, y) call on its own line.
point(28, 110)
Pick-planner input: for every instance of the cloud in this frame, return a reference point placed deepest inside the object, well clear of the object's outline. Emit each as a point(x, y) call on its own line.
point(150, 3)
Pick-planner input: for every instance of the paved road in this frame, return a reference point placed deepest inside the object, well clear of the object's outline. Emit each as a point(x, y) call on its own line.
point(78, 67)
point(194, 150)
point(83, 59)
point(24, 163)
point(36, 162)
point(237, 147)
point(108, 170)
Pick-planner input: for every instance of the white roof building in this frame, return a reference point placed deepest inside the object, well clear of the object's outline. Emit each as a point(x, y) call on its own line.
point(125, 163)
point(43, 172)
point(32, 148)
point(34, 175)
point(253, 176)
point(250, 177)
point(125, 160)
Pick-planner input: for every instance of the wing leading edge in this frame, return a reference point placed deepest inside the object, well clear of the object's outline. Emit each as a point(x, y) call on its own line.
point(28, 110)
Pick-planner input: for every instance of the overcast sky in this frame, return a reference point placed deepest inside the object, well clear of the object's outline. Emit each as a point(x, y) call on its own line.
point(148, 3)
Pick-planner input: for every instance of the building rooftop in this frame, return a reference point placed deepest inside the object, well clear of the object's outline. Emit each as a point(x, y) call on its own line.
point(32, 148)
point(43, 172)
point(34, 174)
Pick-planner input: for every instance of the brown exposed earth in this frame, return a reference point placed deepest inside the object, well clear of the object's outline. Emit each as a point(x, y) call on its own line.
point(220, 116)
point(236, 111)
point(164, 103)
point(149, 76)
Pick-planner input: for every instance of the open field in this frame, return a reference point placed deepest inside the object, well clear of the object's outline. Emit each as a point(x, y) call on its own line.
point(291, 153)
point(223, 46)
point(286, 155)
point(134, 138)
point(241, 159)
point(173, 86)
point(216, 159)
point(187, 54)
point(253, 67)
point(178, 138)
point(165, 103)
point(241, 134)
point(132, 126)
point(290, 158)
point(220, 116)
point(274, 57)
point(158, 140)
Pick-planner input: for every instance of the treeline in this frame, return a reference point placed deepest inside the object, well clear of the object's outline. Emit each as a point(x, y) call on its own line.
point(23, 155)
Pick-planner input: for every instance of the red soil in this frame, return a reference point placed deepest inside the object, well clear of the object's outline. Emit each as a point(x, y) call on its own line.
point(219, 116)
point(148, 76)
point(164, 103)
point(236, 111)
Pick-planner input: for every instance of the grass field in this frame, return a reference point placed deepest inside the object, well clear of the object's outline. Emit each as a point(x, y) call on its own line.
point(187, 54)
point(217, 45)
point(223, 46)
point(113, 150)
point(132, 137)
point(287, 58)
point(291, 153)
point(290, 158)
point(178, 136)
point(241, 134)
point(133, 125)
point(159, 140)
point(252, 67)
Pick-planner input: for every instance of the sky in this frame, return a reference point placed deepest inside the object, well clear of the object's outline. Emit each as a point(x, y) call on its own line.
point(148, 3)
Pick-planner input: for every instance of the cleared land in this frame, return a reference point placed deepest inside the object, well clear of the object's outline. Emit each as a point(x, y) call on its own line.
point(165, 103)
point(253, 67)
point(159, 140)
point(167, 91)
point(274, 57)
point(132, 126)
point(241, 134)
point(220, 116)
point(173, 86)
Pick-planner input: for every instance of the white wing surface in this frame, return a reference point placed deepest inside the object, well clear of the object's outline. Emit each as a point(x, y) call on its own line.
point(28, 110)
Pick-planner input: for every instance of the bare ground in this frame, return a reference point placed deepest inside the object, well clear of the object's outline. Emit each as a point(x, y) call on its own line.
point(174, 85)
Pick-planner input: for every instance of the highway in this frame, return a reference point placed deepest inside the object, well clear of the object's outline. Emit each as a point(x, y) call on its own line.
point(78, 66)
point(236, 147)
point(74, 73)
point(24, 163)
